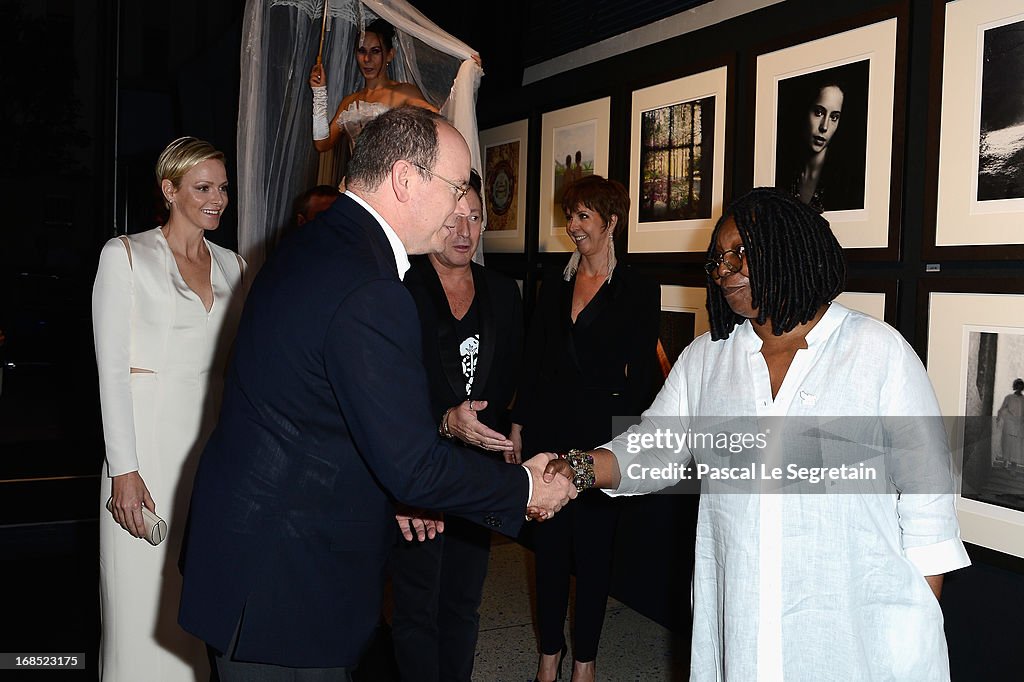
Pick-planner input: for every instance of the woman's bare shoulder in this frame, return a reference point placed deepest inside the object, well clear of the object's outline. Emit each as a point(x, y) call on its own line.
point(408, 93)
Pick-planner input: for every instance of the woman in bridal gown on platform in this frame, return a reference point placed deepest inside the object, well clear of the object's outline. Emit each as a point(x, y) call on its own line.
point(166, 304)
point(381, 93)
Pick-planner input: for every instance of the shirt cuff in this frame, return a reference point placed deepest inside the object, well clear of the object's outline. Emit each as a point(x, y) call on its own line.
point(529, 478)
point(941, 557)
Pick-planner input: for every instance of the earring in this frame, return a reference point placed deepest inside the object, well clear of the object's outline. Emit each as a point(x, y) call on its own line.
point(611, 258)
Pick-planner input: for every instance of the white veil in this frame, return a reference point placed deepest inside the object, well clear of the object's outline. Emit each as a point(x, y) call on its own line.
point(276, 159)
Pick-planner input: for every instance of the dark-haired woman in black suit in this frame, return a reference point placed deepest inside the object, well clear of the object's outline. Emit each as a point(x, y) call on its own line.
point(590, 356)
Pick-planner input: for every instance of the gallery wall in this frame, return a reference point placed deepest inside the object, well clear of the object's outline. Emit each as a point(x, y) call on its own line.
point(945, 262)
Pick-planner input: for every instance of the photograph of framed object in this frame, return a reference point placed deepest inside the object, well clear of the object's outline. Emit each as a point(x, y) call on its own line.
point(684, 317)
point(828, 128)
point(976, 361)
point(504, 151)
point(874, 297)
point(979, 173)
point(868, 302)
point(678, 162)
point(574, 143)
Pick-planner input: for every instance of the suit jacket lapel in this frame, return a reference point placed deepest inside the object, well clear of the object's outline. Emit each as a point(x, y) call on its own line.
point(381, 247)
point(486, 314)
point(566, 324)
point(447, 343)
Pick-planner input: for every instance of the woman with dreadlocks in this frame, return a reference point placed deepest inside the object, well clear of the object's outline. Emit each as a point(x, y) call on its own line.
point(811, 584)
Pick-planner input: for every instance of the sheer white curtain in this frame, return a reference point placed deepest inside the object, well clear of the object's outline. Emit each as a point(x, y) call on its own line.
point(276, 158)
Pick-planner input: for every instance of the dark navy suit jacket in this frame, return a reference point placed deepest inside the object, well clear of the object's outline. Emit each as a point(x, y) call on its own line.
point(325, 422)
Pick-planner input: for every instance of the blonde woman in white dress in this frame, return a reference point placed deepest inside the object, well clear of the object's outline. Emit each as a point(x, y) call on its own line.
point(166, 304)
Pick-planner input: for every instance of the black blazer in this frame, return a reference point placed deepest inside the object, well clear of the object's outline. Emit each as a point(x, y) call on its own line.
point(577, 377)
point(326, 419)
point(500, 309)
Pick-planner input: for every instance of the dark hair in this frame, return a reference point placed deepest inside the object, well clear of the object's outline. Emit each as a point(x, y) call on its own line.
point(1018, 384)
point(476, 183)
point(796, 264)
point(406, 132)
point(384, 31)
point(607, 197)
point(301, 205)
point(829, 82)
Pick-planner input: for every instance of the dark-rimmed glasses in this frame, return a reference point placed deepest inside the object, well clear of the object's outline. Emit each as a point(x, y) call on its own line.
point(460, 190)
point(731, 259)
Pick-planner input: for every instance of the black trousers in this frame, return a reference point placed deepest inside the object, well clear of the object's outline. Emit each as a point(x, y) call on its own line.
point(231, 670)
point(583, 531)
point(437, 586)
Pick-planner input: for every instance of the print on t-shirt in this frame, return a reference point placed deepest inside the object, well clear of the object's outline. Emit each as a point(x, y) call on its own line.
point(468, 349)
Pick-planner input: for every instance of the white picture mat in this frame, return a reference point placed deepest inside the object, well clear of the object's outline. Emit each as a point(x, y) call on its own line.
point(951, 318)
point(962, 220)
point(681, 299)
point(868, 302)
point(551, 236)
point(671, 236)
point(508, 241)
point(860, 228)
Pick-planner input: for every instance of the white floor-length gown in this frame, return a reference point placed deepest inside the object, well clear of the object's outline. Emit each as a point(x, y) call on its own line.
point(145, 316)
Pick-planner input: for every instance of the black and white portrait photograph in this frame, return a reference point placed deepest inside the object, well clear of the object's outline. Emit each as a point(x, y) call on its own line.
point(993, 467)
point(1001, 138)
point(822, 133)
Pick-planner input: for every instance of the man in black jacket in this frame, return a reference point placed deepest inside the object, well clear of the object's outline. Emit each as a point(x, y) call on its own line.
point(326, 421)
point(472, 324)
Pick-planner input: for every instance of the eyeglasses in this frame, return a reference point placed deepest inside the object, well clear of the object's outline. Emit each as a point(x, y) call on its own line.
point(460, 190)
point(731, 259)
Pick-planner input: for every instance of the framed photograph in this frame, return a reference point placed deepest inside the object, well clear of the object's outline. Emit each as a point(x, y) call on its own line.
point(504, 151)
point(868, 302)
point(678, 163)
point(979, 183)
point(874, 297)
point(828, 128)
point(574, 143)
point(684, 317)
point(975, 358)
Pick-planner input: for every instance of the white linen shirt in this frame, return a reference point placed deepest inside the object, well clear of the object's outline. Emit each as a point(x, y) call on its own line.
point(811, 586)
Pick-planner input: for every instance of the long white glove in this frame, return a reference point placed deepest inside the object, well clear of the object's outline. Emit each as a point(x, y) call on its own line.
point(321, 128)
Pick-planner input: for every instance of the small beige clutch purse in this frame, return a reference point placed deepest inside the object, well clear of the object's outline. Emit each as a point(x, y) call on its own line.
point(156, 528)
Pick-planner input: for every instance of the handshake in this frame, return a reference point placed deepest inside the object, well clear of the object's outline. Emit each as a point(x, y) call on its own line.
point(552, 489)
point(552, 485)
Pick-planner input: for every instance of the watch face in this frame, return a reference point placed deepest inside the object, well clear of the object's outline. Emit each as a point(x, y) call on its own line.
point(501, 187)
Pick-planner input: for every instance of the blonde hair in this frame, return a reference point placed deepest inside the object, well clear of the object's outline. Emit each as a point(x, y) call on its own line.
point(181, 156)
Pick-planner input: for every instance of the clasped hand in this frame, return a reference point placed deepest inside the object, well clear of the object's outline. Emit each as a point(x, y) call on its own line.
point(552, 490)
point(552, 485)
point(419, 524)
point(129, 495)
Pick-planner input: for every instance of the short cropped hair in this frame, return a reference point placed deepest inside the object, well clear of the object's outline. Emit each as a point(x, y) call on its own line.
point(796, 264)
point(406, 132)
point(607, 197)
point(301, 205)
point(181, 156)
point(475, 183)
